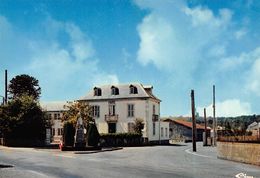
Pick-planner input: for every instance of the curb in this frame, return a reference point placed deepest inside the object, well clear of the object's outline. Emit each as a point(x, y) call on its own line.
point(97, 151)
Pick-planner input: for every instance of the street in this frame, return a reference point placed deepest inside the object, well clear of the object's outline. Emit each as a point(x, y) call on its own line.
point(154, 161)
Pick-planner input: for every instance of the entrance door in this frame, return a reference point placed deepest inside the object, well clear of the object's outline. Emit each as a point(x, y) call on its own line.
point(111, 127)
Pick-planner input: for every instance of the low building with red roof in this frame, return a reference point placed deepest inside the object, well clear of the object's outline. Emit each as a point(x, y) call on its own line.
point(182, 130)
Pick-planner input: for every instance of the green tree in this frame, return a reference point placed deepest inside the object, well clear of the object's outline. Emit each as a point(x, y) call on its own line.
point(23, 118)
point(92, 135)
point(69, 132)
point(78, 109)
point(24, 85)
point(138, 125)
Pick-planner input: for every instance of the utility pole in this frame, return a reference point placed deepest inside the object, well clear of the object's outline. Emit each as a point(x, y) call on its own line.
point(205, 124)
point(5, 86)
point(214, 119)
point(193, 121)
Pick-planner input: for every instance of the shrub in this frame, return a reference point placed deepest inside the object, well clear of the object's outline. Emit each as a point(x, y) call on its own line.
point(92, 135)
point(68, 135)
point(121, 139)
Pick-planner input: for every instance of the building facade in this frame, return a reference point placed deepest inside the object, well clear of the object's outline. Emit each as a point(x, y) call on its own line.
point(182, 130)
point(54, 111)
point(116, 107)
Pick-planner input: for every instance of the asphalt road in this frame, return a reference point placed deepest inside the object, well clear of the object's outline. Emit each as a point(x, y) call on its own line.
point(155, 161)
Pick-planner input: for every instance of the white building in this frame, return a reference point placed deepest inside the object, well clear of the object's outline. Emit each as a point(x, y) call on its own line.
point(55, 111)
point(115, 108)
point(254, 128)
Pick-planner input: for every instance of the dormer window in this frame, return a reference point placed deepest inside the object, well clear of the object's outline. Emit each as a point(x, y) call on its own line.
point(97, 91)
point(114, 90)
point(133, 89)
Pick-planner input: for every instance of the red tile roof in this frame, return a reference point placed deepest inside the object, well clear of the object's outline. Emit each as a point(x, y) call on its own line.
point(187, 124)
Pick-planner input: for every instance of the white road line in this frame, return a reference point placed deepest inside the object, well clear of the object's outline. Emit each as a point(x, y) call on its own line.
point(65, 156)
point(38, 173)
point(196, 154)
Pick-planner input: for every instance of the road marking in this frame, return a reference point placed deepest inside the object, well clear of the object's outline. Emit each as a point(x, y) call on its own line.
point(196, 154)
point(37, 173)
point(65, 156)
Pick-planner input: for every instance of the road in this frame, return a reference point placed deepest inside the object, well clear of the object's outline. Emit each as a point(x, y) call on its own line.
point(154, 161)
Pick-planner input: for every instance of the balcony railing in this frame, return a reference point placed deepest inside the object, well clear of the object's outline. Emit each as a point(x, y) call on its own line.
point(155, 118)
point(110, 118)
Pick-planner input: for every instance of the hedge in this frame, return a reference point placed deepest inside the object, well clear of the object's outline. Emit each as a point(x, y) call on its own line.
point(121, 139)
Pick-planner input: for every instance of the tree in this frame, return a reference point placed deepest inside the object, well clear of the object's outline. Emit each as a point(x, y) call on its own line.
point(24, 85)
point(68, 134)
point(92, 135)
point(23, 119)
point(78, 109)
point(138, 125)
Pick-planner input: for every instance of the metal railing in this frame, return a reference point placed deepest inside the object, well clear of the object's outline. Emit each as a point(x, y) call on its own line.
point(111, 118)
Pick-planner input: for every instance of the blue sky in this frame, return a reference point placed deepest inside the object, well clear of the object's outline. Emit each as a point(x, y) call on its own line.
point(71, 46)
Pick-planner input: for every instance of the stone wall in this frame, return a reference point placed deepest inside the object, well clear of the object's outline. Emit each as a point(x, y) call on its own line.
point(241, 152)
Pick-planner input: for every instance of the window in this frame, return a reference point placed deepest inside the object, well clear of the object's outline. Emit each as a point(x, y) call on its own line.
point(133, 89)
point(161, 131)
point(112, 108)
point(130, 109)
point(49, 116)
point(55, 116)
point(97, 91)
point(153, 128)
point(114, 91)
point(166, 132)
point(153, 109)
point(58, 116)
point(96, 111)
point(53, 132)
point(131, 127)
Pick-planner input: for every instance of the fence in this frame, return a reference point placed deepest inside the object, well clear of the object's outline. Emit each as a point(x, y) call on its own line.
point(243, 139)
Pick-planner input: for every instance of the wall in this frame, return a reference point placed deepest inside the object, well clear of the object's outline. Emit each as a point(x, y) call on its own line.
point(143, 108)
point(121, 110)
point(181, 132)
point(241, 152)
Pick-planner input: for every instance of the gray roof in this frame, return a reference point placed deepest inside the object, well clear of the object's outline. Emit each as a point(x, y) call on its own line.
point(54, 105)
point(123, 92)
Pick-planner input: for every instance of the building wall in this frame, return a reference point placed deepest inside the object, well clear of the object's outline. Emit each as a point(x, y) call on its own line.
point(143, 108)
point(121, 110)
point(57, 125)
point(181, 132)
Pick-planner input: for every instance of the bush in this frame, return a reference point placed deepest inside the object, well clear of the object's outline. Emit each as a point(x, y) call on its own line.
point(68, 135)
point(92, 135)
point(121, 139)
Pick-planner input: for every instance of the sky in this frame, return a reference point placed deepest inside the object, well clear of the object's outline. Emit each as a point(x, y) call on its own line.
point(174, 45)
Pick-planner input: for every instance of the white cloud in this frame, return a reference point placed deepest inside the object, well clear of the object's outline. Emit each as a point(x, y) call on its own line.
point(82, 47)
point(248, 66)
point(254, 78)
point(243, 60)
point(228, 108)
point(204, 16)
point(72, 68)
point(240, 33)
point(65, 69)
point(173, 35)
point(155, 46)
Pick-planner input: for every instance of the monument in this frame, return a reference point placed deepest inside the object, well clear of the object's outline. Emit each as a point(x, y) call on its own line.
point(79, 136)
